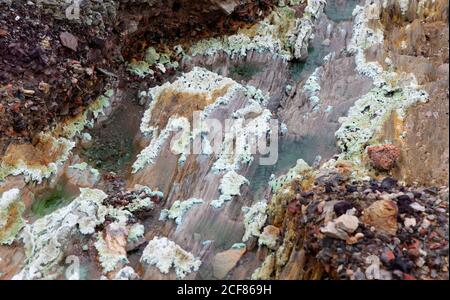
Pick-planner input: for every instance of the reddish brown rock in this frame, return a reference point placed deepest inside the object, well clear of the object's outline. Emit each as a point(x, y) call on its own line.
point(382, 215)
point(383, 157)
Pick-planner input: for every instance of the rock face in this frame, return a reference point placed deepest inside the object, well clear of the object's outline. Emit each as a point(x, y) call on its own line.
point(223, 262)
point(383, 157)
point(419, 44)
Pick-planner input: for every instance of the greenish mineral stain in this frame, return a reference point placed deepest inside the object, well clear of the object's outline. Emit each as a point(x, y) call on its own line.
point(300, 69)
point(245, 71)
point(340, 12)
point(289, 151)
point(113, 148)
point(52, 200)
point(110, 154)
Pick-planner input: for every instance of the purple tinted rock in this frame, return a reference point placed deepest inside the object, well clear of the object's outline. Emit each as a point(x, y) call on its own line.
point(341, 207)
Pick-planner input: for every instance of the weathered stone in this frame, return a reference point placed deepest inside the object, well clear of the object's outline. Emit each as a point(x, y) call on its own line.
point(69, 40)
point(383, 157)
point(341, 207)
point(331, 231)
point(373, 270)
point(11, 209)
point(382, 215)
point(416, 206)
point(409, 222)
point(347, 223)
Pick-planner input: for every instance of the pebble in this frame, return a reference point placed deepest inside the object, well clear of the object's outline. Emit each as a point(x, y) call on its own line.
point(420, 262)
point(373, 270)
point(68, 40)
point(425, 224)
point(387, 256)
point(388, 183)
point(416, 206)
point(409, 222)
point(431, 217)
point(341, 207)
point(358, 275)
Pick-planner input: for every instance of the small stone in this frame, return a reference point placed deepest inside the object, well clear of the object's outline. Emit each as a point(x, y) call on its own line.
point(403, 203)
point(347, 223)
point(28, 92)
point(409, 222)
point(341, 207)
point(383, 157)
point(388, 183)
point(373, 271)
point(359, 236)
point(349, 272)
point(401, 264)
point(398, 274)
point(425, 224)
point(68, 40)
point(44, 87)
point(351, 188)
point(408, 277)
point(416, 206)
point(331, 231)
point(385, 275)
point(351, 240)
point(431, 217)
point(387, 256)
point(358, 275)
point(420, 262)
point(89, 71)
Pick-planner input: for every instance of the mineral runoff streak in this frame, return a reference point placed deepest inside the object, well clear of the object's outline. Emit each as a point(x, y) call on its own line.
point(226, 289)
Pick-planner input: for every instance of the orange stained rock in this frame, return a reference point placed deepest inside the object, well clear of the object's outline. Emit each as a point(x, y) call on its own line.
point(382, 215)
point(182, 104)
